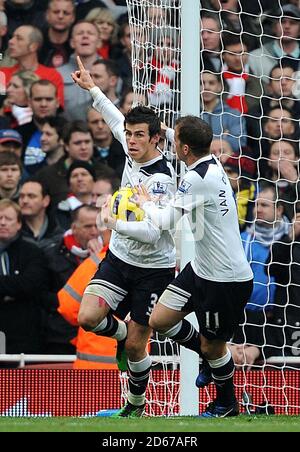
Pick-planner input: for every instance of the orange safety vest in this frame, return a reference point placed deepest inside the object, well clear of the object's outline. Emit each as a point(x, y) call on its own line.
point(93, 352)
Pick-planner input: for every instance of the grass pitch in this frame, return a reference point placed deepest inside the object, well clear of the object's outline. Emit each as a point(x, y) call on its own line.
point(174, 424)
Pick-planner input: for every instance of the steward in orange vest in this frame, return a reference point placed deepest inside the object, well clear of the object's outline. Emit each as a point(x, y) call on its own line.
point(93, 352)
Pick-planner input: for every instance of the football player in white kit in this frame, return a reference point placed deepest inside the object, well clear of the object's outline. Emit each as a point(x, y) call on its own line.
point(141, 258)
point(218, 282)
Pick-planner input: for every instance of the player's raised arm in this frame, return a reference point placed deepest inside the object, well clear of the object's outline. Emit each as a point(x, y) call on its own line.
point(111, 115)
point(82, 77)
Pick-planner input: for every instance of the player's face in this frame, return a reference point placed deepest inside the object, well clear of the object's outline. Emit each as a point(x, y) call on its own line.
point(141, 147)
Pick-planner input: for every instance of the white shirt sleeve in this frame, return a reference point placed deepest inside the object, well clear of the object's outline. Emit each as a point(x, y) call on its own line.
point(189, 196)
point(142, 231)
point(111, 115)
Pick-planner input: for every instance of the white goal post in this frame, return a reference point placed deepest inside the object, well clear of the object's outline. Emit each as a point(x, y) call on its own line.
point(166, 57)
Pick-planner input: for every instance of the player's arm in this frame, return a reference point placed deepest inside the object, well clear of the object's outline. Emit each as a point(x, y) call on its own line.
point(111, 115)
point(187, 198)
point(142, 231)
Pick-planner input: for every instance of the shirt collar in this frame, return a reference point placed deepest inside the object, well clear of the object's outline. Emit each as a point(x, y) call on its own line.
point(206, 158)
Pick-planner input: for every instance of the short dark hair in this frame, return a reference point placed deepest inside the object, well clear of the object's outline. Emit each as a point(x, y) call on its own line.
point(196, 133)
point(75, 126)
point(10, 158)
point(33, 180)
point(110, 66)
point(42, 82)
point(140, 115)
point(59, 123)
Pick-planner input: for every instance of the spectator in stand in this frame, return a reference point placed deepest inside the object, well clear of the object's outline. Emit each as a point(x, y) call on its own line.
point(284, 48)
point(60, 16)
point(244, 90)
point(227, 124)
point(84, 7)
point(104, 185)
point(283, 332)
point(81, 177)
point(78, 144)
point(10, 175)
point(3, 31)
point(62, 261)
point(108, 150)
point(84, 42)
point(52, 139)
point(4, 121)
point(11, 140)
point(44, 103)
point(23, 277)
point(38, 226)
point(130, 99)
point(123, 59)
point(280, 95)
point(211, 27)
point(17, 100)
point(269, 225)
point(108, 30)
point(282, 168)
point(24, 46)
point(233, 18)
point(25, 12)
point(277, 123)
point(105, 74)
point(92, 351)
point(241, 172)
point(164, 68)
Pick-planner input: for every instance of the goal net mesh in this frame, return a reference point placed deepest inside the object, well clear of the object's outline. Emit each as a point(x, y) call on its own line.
point(249, 93)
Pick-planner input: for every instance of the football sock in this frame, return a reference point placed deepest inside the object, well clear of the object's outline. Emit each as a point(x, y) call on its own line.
point(138, 373)
point(111, 327)
point(222, 372)
point(185, 334)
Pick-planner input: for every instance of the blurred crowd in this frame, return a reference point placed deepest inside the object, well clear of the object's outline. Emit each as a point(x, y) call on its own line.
point(58, 156)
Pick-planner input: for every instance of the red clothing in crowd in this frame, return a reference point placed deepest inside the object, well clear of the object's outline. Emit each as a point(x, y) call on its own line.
point(44, 72)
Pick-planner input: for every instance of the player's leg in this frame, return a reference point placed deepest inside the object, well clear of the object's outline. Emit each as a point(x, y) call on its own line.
point(218, 316)
point(104, 293)
point(147, 286)
point(138, 370)
point(168, 319)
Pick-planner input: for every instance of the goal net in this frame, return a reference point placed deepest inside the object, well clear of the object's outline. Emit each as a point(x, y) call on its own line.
point(249, 93)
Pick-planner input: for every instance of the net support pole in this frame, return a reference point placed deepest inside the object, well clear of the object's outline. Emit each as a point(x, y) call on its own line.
point(190, 104)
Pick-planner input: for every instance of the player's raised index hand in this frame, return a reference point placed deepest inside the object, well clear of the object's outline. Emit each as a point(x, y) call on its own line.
point(82, 77)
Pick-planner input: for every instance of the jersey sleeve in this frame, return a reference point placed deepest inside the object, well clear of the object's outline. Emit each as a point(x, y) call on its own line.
point(187, 198)
point(111, 115)
point(142, 231)
point(190, 193)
